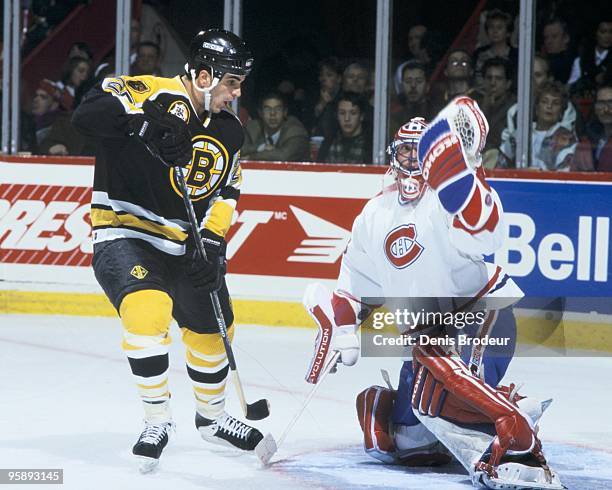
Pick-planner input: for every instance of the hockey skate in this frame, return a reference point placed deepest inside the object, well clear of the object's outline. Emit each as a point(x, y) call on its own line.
point(151, 443)
point(228, 431)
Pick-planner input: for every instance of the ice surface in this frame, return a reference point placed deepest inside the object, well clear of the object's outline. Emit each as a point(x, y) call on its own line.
point(68, 401)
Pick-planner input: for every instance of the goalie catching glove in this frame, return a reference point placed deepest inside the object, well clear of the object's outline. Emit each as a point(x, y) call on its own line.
point(166, 136)
point(337, 318)
point(449, 151)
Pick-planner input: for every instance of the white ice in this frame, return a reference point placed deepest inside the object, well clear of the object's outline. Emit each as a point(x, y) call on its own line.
point(68, 401)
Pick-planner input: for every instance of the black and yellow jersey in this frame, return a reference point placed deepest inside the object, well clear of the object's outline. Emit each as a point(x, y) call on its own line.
point(134, 194)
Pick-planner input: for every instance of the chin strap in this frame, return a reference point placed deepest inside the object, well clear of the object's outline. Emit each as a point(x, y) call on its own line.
point(206, 91)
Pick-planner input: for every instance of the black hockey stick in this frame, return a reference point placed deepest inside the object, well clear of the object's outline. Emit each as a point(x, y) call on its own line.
point(252, 411)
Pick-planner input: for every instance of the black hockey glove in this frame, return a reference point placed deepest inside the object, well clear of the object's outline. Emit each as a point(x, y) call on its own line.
point(166, 136)
point(208, 274)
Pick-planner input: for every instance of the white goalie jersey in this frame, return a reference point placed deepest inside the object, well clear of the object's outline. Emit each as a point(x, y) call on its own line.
point(420, 250)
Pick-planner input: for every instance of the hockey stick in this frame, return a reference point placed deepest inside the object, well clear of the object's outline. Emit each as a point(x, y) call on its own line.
point(252, 411)
point(268, 446)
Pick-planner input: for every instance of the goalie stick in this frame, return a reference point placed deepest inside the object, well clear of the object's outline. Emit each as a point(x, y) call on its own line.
point(252, 411)
point(268, 445)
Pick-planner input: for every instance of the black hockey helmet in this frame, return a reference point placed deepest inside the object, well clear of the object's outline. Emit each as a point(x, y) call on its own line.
point(221, 50)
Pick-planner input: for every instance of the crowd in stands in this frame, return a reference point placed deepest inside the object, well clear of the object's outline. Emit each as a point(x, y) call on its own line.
point(332, 122)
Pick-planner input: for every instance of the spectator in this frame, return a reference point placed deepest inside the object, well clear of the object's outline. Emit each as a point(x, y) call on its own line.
point(416, 51)
point(458, 74)
point(355, 78)
point(594, 61)
point(148, 58)
point(80, 49)
point(351, 143)
point(552, 145)
point(412, 101)
point(596, 150)
point(45, 107)
point(321, 114)
point(495, 101)
point(76, 71)
point(556, 48)
point(63, 139)
point(498, 27)
point(275, 136)
point(540, 75)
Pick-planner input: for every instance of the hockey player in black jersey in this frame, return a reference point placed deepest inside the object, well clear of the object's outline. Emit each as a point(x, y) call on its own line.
point(144, 253)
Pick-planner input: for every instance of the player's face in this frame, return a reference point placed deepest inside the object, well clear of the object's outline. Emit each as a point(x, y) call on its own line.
point(349, 118)
point(407, 157)
point(414, 85)
point(225, 92)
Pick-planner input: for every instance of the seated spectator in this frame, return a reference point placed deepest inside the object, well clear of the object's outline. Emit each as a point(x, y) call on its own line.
point(355, 78)
point(45, 107)
point(416, 51)
point(458, 79)
point(552, 145)
point(412, 101)
point(352, 142)
point(76, 72)
point(595, 151)
point(495, 100)
point(63, 139)
point(540, 75)
point(321, 113)
point(556, 48)
point(595, 60)
point(148, 59)
point(80, 49)
point(275, 136)
point(498, 28)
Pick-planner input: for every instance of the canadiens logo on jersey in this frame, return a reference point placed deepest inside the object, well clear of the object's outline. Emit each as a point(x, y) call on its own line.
point(209, 164)
point(401, 246)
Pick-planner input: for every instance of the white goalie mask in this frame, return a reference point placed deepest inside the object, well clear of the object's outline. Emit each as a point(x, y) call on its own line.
point(404, 160)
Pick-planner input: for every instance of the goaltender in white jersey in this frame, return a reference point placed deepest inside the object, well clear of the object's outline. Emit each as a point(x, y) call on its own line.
point(425, 235)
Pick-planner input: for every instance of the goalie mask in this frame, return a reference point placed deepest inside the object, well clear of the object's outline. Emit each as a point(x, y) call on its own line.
point(404, 160)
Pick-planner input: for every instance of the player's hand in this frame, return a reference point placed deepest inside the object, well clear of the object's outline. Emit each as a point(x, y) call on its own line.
point(207, 274)
point(166, 136)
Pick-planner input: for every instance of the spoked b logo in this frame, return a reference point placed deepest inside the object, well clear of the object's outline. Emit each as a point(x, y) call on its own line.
point(209, 164)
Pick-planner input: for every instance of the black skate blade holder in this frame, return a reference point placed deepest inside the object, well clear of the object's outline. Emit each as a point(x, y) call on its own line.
point(252, 411)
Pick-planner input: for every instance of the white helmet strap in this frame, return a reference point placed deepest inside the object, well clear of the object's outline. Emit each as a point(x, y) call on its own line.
point(206, 91)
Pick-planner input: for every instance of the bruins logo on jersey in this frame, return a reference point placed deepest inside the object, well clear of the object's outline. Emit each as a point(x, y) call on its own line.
point(138, 86)
point(209, 164)
point(180, 110)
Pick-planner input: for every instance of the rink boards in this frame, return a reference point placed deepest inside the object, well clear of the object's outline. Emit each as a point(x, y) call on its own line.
point(291, 227)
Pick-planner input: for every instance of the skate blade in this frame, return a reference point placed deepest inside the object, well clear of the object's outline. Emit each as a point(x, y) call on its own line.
point(147, 465)
point(266, 448)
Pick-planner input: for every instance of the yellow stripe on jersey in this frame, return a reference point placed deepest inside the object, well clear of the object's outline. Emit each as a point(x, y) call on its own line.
point(107, 217)
point(133, 91)
point(220, 217)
